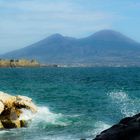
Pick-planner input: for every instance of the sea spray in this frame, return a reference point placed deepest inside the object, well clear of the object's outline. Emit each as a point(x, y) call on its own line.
point(45, 117)
point(123, 102)
point(99, 126)
point(26, 115)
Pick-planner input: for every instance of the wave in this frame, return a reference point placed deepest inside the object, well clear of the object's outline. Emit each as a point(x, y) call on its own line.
point(66, 137)
point(45, 117)
point(123, 102)
point(99, 126)
point(3, 132)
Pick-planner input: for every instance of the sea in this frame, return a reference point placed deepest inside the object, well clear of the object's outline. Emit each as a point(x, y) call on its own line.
point(73, 103)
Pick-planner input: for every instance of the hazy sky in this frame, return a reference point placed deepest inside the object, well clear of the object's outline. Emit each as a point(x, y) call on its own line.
point(23, 22)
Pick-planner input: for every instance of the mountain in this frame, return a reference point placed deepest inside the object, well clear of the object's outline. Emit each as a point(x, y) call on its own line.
point(106, 47)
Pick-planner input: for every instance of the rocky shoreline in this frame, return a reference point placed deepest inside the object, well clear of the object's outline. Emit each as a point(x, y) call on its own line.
point(127, 129)
point(11, 110)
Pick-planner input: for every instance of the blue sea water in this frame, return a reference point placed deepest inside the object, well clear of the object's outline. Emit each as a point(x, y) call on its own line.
point(73, 103)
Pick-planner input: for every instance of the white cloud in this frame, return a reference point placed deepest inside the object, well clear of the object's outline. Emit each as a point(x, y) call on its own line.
point(31, 20)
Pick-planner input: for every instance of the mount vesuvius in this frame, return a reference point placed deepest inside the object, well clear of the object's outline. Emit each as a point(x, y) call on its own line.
point(106, 47)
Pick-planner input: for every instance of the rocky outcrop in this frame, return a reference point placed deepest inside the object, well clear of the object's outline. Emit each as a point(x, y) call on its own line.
point(127, 129)
point(11, 110)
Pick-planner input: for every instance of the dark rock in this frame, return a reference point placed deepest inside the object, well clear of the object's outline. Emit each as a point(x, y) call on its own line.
point(127, 129)
point(23, 123)
point(11, 123)
point(8, 124)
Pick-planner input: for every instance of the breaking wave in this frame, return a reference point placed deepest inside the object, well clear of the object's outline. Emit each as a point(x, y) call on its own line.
point(45, 117)
point(99, 126)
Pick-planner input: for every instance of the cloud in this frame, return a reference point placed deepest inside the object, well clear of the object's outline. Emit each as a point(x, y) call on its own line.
point(34, 12)
point(27, 21)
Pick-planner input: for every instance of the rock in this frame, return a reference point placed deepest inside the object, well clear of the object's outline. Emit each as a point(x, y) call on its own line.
point(11, 123)
point(1, 125)
point(1, 107)
point(25, 102)
point(127, 129)
point(23, 123)
point(10, 110)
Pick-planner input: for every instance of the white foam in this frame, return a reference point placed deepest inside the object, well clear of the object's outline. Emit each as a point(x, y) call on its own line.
point(59, 138)
point(44, 116)
point(99, 127)
point(119, 96)
point(124, 103)
point(4, 131)
point(26, 115)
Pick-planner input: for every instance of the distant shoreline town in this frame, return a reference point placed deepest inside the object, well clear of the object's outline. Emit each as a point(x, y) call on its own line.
point(15, 63)
point(18, 63)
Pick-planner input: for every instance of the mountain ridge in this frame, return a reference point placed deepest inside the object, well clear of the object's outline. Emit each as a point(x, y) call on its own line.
point(103, 47)
point(108, 35)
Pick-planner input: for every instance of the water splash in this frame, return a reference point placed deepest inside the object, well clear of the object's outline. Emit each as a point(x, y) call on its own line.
point(124, 103)
point(26, 115)
point(99, 126)
point(45, 117)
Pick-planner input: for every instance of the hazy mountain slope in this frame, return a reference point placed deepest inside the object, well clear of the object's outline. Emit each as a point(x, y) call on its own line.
point(105, 46)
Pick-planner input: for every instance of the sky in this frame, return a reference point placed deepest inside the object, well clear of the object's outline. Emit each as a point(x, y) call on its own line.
point(23, 22)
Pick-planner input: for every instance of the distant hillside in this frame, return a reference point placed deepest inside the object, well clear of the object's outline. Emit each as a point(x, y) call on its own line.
point(105, 47)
